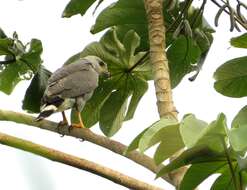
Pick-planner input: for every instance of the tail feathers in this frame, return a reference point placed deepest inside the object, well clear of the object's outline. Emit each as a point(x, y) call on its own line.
point(46, 112)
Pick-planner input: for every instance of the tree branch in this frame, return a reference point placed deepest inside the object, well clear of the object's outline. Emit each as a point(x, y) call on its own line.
point(84, 134)
point(76, 162)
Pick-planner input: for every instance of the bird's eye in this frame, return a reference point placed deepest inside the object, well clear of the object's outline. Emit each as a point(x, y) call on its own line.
point(101, 64)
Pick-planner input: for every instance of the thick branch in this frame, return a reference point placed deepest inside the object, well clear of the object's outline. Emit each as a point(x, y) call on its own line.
point(85, 134)
point(76, 162)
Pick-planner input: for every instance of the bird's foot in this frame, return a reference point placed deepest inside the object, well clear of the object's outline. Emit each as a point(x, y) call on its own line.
point(75, 125)
point(61, 126)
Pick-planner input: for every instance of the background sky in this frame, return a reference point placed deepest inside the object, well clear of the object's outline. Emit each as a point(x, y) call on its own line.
point(62, 38)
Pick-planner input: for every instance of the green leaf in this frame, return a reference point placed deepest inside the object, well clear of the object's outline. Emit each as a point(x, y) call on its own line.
point(35, 91)
point(10, 76)
point(240, 118)
point(190, 129)
point(237, 137)
point(182, 54)
point(140, 86)
point(32, 56)
point(197, 154)
point(5, 45)
point(224, 181)
point(197, 173)
point(131, 41)
point(77, 7)
point(153, 134)
point(119, 13)
point(168, 146)
point(22, 63)
point(231, 78)
point(112, 113)
point(240, 41)
point(196, 132)
point(213, 135)
point(135, 143)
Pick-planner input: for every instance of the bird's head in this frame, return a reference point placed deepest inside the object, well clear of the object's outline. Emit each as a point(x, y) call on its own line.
point(99, 66)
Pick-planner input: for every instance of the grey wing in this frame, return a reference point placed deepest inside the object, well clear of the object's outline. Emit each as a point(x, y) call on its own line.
point(74, 84)
point(66, 70)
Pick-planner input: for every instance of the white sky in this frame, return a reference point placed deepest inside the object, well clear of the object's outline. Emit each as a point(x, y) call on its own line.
point(62, 38)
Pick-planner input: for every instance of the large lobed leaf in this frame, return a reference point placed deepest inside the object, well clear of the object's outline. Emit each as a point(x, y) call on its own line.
point(198, 133)
point(19, 62)
point(166, 133)
point(128, 15)
point(231, 78)
point(35, 91)
point(109, 104)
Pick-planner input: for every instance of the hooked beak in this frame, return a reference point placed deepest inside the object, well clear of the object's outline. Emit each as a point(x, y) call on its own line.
point(107, 74)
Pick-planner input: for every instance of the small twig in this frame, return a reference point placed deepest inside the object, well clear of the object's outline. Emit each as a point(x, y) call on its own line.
point(76, 162)
point(7, 62)
point(87, 135)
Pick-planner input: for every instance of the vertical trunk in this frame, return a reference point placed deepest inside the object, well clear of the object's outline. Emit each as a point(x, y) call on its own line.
point(160, 68)
point(158, 58)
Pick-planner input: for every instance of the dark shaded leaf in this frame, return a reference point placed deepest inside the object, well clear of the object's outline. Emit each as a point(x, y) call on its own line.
point(140, 86)
point(182, 55)
point(35, 91)
point(197, 173)
point(5, 45)
point(77, 7)
point(112, 113)
point(32, 56)
point(120, 13)
point(231, 78)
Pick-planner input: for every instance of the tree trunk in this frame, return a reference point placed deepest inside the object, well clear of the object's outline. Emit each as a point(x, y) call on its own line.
point(159, 61)
point(158, 58)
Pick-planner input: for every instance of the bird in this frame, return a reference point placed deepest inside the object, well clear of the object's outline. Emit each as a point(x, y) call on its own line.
point(70, 87)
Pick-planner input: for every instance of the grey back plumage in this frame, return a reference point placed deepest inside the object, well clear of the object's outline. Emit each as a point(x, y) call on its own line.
point(73, 80)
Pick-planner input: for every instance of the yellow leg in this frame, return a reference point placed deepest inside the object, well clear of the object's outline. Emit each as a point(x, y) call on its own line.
point(80, 124)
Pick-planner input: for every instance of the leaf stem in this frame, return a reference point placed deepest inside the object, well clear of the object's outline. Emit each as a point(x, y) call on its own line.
point(138, 62)
point(229, 161)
